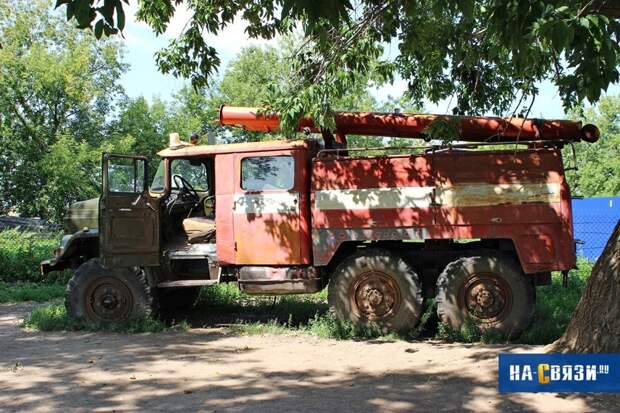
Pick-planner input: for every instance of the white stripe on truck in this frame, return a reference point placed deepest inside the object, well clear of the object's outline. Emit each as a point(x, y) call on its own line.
point(267, 203)
point(447, 196)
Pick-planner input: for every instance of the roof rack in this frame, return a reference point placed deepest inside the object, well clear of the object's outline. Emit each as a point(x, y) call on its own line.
point(433, 148)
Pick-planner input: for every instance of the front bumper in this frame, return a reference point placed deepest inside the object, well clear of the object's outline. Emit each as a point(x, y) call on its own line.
point(67, 251)
point(53, 264)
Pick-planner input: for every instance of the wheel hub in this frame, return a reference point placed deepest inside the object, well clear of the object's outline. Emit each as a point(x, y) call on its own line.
point(375, 295)
point(108, 299)
point(484, 298)
point(487, 297)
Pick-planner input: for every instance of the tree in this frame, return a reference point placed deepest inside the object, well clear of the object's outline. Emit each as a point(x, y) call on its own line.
point(598, 164)
point(252, 78)
point(247, 80)
point(56, 82)
point(486, 53)
point(145, 126)
point(595, 325)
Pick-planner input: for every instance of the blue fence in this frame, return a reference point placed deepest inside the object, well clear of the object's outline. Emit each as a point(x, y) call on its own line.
point(594, 220)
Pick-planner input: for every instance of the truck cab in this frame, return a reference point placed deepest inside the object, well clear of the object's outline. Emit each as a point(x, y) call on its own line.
point(211, 213)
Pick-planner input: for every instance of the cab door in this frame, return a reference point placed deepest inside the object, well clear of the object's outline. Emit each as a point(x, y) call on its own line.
point(128, 216)
point(270, 209)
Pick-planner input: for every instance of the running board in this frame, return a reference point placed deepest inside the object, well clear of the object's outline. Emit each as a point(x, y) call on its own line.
point(194, 252)
point(186, 283)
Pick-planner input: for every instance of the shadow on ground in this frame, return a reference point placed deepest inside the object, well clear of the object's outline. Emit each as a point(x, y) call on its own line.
point(214, 370)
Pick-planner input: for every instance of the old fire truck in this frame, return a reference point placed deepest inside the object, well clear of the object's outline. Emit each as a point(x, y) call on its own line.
point(476, 224)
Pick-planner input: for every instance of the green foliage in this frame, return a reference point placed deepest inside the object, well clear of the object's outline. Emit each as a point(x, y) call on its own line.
point(445, 129)
point(246, 79)
point(16, 292)
point(483, 52)
point(58, 86)
point(53, 317)
point(309, 314)
point(72, 173)
point(21, 253)
point(555, 306)
point(598, 164)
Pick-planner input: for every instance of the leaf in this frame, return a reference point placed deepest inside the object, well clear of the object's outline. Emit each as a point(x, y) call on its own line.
point(467, 7)
point(70, 10)
point(120, 16)
point(558, 35)
point(61, 2)
point(99, 29)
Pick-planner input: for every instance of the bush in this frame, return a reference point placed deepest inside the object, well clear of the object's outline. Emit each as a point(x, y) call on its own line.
point(22, 252)
point(555, 305)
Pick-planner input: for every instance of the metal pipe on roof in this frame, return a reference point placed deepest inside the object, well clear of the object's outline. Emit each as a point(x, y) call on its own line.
point(471, 128)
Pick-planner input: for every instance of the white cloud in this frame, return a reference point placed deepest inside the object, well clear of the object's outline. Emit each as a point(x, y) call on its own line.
point(228, 41)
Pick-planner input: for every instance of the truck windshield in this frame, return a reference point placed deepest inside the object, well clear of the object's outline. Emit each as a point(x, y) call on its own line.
point(158, 184)
point(193, 171)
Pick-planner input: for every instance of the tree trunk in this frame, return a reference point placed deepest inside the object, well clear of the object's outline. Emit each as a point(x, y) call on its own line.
point(595, 326)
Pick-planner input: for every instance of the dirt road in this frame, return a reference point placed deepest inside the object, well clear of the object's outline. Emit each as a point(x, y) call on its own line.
point(213, 370)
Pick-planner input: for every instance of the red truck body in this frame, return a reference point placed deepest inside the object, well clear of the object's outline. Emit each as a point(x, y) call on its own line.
point(521, 196)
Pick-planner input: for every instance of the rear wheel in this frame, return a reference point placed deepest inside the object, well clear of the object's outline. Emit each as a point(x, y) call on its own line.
point(106, 295)
point(491, 290)
point(376, 287)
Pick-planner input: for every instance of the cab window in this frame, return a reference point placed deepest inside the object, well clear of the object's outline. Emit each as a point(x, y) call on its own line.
point(125, 175)
point(267, 172)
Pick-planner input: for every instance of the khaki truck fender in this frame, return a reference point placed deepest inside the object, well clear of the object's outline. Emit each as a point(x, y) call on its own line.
point(74, 249)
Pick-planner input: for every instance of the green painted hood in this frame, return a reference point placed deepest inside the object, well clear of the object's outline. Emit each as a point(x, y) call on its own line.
point(83, 214)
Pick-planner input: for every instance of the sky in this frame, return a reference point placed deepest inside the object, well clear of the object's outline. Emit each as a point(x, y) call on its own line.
point(143, 78)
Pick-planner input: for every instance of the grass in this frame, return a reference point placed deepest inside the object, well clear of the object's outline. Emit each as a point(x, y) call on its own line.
point(555, 306)
point(21, 252)
point(53, 317)
point(306, 313)
point(28, 291)
point(20, 280)
point(309, 314)
point(291, 309)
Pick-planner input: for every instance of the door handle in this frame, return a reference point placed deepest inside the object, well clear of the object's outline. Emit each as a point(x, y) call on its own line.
point(135, 203)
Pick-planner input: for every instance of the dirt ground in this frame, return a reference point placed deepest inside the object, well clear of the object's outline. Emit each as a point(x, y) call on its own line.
point(213, 370)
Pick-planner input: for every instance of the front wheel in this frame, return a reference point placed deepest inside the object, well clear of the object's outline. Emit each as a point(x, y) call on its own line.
point(490, 290)
point(107, 295)
point(376, 287)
